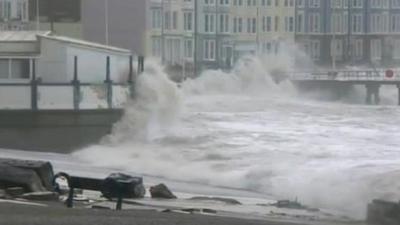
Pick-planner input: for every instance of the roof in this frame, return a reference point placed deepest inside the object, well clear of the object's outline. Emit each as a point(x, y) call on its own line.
point(84, 43)
point(21, 36)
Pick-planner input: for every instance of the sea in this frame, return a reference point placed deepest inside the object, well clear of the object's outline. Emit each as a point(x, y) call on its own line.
point(239, 130)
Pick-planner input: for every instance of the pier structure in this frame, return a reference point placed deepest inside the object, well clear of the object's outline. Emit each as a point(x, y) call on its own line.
point(371, 79)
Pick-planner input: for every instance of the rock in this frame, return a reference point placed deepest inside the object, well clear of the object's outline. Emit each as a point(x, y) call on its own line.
point(130, 187)
point(11, 176)
point(161, 191)
point(15, 191)
point(229, 201)
point(41, 181)
point(41, 196)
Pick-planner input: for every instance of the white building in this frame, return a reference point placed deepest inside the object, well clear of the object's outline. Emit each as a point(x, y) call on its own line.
point(50, 61)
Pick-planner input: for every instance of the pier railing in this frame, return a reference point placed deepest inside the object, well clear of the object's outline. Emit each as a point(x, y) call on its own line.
point(347, 75)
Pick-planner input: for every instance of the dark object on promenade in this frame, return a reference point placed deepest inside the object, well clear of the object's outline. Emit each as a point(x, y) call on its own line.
point(32, 176)
point(130, 187)
point(116, 185)
point(383, 213)
point(161, 191)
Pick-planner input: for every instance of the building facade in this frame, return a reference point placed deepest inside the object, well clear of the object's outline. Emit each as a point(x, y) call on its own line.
point(62, 17)
point(216, 33)
point(336, 33)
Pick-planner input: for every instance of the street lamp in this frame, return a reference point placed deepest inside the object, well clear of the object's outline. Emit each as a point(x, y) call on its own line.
point(106, 21)
point(37, 16)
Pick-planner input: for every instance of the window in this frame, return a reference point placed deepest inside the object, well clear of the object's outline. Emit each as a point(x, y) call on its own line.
point(209, 2)
point(395, 23)
point(357, 3)
point(396, 3)
point(357, 49)
point(337, 23)
point(376, 49)
point(314, 3)
point(175, 20)
point(315, 49)
point(289, 24)
point(235, 25)
point(254, 25)
point(276, 23)
point(240, 25)
point(187, 21)
point(156, 19)
point(61, 10)
point(314, 23)
point(300, 23)
point(156, 46)
point(224, 2)
point(300, 3)
point(396, 49)
point(337, 49)
point(209, 50)
point(16, 10)
point(356, 23)
point(209, 23)
point(224, 23)
point(167, 20)
point(266, 24)
point(14, 68)
point(173, 50)
point(188, 48)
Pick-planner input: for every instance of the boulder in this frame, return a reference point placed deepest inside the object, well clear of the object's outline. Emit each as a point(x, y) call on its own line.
point(33, 176)
point(41, 196)
point(121, 184)
point(161, 191)
point(11, 176)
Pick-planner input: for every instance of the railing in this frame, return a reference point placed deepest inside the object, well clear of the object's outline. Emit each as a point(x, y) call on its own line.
point(345, 75)
point(36, 95)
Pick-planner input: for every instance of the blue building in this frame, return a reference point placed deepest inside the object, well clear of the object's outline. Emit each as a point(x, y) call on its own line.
point(336, 33)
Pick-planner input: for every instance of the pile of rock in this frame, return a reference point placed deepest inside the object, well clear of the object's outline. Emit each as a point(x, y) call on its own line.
point(26, 179)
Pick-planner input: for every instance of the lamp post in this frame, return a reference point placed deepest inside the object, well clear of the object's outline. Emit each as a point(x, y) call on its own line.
point(37, 16)
point(106, 21)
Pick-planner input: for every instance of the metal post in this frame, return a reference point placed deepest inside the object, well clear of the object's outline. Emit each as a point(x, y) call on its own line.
point(398, 93)
point(119, 200)
point(131, 80)
point(106, 21)
point(140, 64)
point(76, 85)
point(34, 91)
point(70, 199)
point(51, 15)
point(37, 16)
point(108, 83)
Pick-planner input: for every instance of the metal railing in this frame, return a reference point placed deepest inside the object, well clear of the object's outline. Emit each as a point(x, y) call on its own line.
point(345, 75)
point(34, 94)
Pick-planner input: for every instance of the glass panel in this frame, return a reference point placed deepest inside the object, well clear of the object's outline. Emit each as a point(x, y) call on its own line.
point(4, 68)
point(20, 68)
